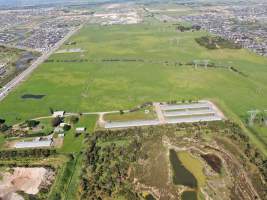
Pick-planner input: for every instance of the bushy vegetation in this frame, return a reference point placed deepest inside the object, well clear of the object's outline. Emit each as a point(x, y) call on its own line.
point(74, 119)
point(4, 128)
point(2, 121)
point(59, 189)
point(110, 154)
point(106, 166)
point(184, 28)
point(26, 153)
point(32, 123)
point(216, 42)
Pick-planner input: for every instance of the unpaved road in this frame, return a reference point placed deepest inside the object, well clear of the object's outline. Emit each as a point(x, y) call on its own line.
point(159, 113)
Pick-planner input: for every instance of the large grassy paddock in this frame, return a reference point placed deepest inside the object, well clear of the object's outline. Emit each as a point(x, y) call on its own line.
point(96, 84)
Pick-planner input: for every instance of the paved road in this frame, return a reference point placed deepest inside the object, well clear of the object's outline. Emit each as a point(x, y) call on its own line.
point(18, 79)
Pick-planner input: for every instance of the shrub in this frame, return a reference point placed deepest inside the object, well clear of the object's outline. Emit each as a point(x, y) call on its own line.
point(66, 127)
point(74, 119)
point(3, 127)
point(32, 123)
point(2, 121)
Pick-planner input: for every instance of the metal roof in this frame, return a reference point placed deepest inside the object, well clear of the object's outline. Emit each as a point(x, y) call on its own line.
point(33, 144)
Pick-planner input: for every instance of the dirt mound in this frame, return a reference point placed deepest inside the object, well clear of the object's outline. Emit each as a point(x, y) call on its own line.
point(23, 179)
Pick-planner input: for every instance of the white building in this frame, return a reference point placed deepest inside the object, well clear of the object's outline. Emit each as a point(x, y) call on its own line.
point(62, 124)
point(58, 114)
point(33, 144)
point(80, 129)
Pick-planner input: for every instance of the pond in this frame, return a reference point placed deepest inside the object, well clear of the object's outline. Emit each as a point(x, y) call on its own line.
point(213, 161)
point(189, 195)
point(25, 60)
point(194, 165)
point(181, 176)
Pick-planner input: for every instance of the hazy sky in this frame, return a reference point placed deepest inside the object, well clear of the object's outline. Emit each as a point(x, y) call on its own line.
point(34, 2)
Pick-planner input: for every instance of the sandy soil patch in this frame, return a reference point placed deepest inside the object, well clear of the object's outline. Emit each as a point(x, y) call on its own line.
point(28, 180)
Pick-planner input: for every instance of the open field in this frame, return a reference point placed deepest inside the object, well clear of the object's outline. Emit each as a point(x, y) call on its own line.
point(147, 113)
point(124, 66)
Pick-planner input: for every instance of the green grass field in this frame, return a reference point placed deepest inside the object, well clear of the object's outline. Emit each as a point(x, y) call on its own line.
point(73, 144)
point(137, 115)
point(97, 85)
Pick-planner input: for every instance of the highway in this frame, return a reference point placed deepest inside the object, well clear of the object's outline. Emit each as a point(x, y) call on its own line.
point(22, 76)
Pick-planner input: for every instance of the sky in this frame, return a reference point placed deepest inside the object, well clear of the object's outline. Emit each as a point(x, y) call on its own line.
point(18, 3)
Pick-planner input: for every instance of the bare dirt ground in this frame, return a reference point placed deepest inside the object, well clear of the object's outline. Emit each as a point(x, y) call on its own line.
point(28, 180)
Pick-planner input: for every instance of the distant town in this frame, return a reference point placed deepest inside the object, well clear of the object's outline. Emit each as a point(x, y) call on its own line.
point(37, 29)
point(41, 28)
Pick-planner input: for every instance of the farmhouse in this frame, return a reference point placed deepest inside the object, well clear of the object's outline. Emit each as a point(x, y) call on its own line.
point(61, 135)
point(58, 114)
point(80, 130)
point(63, 124)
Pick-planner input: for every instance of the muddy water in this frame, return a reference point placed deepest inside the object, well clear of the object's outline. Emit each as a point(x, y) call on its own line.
point(181, 176)
point(194, 165)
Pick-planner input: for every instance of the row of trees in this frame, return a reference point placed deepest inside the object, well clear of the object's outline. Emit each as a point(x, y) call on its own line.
point(27, 153)
point(215, 42)
point(183, 28)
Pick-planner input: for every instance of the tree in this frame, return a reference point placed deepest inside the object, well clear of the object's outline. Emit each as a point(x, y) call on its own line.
point(74, 119)
point(56, 121)
point(51, 110)
point(32, 123)
point(66, 127)
point(2, 121)
point(3, 127)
